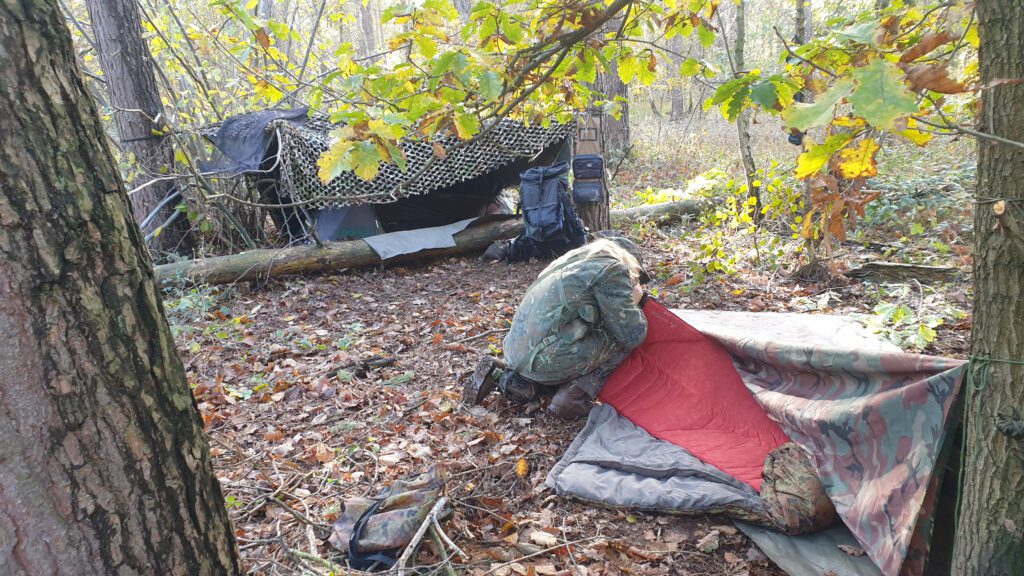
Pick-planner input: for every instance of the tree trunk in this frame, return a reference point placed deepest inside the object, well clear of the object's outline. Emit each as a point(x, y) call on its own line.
point(104, 467)
point(615, 133)
point(263, 264)
point(464, 7)
point(743, 121)
point(990, 534)
point(265, 9)
point(138, 111)
point(368, 23)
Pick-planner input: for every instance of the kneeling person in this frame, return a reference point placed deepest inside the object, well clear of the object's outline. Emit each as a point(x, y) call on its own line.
point(576, 324)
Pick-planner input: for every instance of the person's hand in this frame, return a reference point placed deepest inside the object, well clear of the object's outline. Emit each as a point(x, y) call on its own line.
point(638, 293)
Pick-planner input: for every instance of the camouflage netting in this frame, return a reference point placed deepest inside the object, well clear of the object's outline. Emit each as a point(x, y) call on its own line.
point(301, 146)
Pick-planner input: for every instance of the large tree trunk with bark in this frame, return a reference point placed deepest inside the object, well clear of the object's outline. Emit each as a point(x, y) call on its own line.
point(990, 534)
point(138, 113)
point(104, 467)
point(615, 132)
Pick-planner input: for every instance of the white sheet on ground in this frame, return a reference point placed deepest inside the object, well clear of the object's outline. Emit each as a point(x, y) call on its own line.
point(409, 241)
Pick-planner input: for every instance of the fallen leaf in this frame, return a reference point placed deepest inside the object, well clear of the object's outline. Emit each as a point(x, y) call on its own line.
point(543, 539)
point(522, 468)
point(709, 543)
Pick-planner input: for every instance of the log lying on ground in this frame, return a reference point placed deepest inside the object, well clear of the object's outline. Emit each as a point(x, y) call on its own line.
point(662, 214)
point(891, 271)
point(268, 263)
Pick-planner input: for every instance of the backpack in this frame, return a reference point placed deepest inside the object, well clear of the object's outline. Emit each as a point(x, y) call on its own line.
point(551, 225)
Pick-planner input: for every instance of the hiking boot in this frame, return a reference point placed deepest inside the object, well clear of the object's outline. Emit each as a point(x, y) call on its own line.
point(482, 381)
point(517, 388)
point(570, 403)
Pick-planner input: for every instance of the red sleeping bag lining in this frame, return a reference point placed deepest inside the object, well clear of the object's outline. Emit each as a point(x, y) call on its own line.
point(681, 386)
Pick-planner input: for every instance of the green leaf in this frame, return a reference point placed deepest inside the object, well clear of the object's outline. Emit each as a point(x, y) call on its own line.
point(811, 161)
point(365, 160)
point(586, 70)
point(865, 32)
point(725, 92)
point(646, 70)
point(705, 35)
point(689, 67)
point(491, 85)
point(426, 45)
point(763, 94)
point(880, 95)
point(731, 109)
point(466, 125)
point(511, 30)
point(335, 160)
point(804, 116)
point(627, 66)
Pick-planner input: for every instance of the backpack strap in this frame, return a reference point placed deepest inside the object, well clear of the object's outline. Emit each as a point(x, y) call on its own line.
point(563, 306)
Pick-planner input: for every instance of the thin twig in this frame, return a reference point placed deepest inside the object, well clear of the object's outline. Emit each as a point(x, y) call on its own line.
point(441, 533)
point(418, 536)
point(799, 57)
point(480, 335)
point(544, 551)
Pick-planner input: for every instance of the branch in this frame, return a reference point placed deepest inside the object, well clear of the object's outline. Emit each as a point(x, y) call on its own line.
point(950, 125)
point(799, 57)
point(312, 40)
point(418, 536)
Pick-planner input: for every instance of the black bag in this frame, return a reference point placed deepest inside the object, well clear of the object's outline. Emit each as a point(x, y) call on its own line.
point(588, 167)
point(540, 192)
point(552, 227)
point(588, 190)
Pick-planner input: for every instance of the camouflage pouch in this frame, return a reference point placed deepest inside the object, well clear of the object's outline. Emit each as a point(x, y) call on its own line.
point(792, 493)
point(374, 532)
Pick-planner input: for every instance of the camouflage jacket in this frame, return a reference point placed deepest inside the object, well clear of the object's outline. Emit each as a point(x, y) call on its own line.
point(577, 314)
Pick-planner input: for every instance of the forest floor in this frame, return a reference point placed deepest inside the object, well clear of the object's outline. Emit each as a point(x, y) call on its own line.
point(318, 389)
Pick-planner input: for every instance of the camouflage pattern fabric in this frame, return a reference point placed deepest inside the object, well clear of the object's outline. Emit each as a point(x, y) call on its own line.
point(574, 318)
point(874, 419)
point(792, 494)
point(403, 507)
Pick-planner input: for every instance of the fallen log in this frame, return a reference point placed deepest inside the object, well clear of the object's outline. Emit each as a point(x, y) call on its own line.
point(889, 271)
point(662, 214)
point(268, 263)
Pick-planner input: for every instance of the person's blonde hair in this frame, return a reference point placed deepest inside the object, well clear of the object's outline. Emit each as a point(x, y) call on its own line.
point(604, 247)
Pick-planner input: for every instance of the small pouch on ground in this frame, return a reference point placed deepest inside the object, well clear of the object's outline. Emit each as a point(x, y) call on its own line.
point(792, 493)
point(375, 531)
point(587, 190)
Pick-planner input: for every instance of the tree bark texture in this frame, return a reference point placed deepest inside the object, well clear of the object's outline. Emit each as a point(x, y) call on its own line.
point(138, 111)
point(262, 264)
point(990, 533)
point(104, 466)
point(369, 22)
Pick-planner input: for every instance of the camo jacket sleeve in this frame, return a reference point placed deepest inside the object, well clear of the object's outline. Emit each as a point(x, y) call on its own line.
point(623, 319)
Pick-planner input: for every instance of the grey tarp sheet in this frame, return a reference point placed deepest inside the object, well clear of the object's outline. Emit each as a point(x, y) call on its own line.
point(407, 242)
point(811, 555)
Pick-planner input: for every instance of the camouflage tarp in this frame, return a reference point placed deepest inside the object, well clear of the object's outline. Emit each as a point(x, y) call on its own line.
point(874, 419)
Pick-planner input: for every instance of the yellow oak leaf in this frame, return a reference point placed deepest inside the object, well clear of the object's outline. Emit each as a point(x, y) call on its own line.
point(858, 161)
